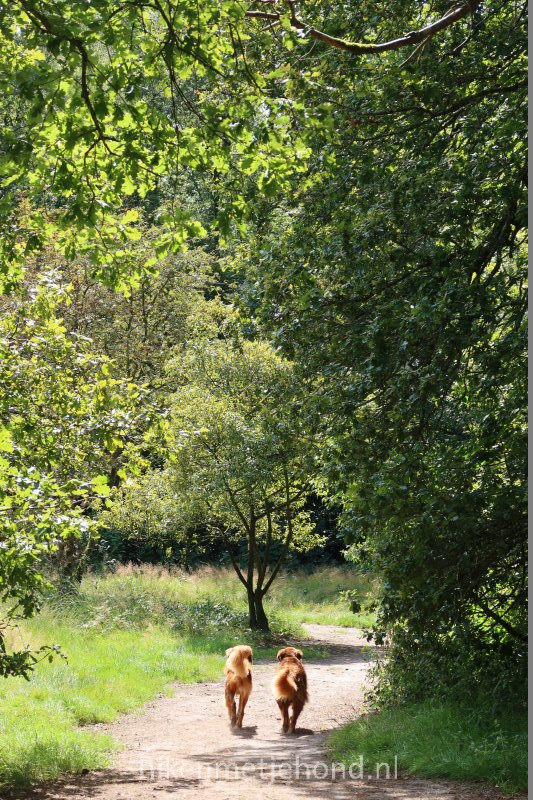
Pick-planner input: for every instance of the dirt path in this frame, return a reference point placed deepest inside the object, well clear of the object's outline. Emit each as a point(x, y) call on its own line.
point(181, 746)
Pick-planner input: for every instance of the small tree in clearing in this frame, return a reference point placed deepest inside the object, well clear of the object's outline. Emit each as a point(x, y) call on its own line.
point(239, 460)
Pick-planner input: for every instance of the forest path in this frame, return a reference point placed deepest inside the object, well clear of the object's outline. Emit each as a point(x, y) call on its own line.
point(182, 746)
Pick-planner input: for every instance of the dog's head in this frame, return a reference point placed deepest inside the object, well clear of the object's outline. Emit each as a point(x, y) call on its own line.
point(289, 652)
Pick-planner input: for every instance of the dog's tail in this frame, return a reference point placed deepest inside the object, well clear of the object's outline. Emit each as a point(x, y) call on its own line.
point(286, 686)
point(247, 667)
point(292, 682)
point(278, 690)
point(240, 665)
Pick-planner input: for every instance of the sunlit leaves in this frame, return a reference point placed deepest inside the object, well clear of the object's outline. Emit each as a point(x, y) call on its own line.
point(60, 410)
point(104, 101)
point(233, 445)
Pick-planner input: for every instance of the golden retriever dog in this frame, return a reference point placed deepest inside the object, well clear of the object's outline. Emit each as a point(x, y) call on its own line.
point(290, 687)
point(238, 672)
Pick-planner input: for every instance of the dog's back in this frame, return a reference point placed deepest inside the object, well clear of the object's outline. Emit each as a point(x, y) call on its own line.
point(290, 687)
point(238, 672)
point(239, 662)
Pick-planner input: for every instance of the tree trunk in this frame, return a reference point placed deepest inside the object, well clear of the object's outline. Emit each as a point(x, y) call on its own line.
point(260, 615)
point(251, 608)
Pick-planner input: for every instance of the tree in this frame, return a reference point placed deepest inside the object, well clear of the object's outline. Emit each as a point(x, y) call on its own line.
point(395, 279)
point(139, 327)
point(62, 416)
point(238, 459)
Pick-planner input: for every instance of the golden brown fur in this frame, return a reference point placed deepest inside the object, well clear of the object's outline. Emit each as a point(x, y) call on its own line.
point(290, 687)
point(238, 672)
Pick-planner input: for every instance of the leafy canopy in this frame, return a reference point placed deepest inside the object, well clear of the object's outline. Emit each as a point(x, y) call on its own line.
point(107, 101)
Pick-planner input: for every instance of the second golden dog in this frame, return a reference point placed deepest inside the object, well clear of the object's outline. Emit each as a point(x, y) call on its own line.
point(290, 687)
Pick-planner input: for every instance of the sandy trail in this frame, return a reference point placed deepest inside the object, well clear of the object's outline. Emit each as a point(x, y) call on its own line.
point(182, 746)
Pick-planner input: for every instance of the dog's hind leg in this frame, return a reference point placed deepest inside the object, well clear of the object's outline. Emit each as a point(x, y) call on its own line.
point(230, 705)
point(284, 708)
point(243, 699)
point(296, 711)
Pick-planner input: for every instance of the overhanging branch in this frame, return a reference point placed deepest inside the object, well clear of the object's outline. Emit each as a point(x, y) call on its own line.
point(511, 630)
point(364, 48)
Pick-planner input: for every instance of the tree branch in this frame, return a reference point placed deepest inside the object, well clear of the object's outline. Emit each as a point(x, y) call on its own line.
point(500, 620)
point(44, 24)
point(288, 539)
point(267, 546)
point(236, 506)
point(282, 504)
point(364, 48)
point(253, 542)
point(236, 566)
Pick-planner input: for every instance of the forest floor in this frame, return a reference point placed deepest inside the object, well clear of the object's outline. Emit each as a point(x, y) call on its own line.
point(180, 745)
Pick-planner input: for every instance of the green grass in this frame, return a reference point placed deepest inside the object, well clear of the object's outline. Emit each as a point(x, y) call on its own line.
point(440, 741)
point(127, 636)
point(177, 598)
point(106, 673)
point(315, 597)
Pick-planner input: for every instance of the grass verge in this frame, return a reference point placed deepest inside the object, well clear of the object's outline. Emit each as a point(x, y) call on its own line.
point(106, 673)
point(439, 741)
